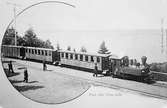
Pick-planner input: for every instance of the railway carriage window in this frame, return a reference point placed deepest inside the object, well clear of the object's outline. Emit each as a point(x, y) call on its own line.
point(50, 53)
point(32, 51)
point(91, 58)
point(42, 52)
point(35, 51)
point(29, 50)
point(46, 53)
point(98, 59)
point(86, 58)
point(38, 52)
point(62, 55)
point(81, 57)
point(71, 56)
point(66, 55)
point(76, 56)
point(26, 50)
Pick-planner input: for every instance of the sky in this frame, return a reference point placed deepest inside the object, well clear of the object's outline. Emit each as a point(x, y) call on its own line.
point(129, 27)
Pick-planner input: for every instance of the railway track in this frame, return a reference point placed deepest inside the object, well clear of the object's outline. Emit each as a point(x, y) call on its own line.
point(107, 82)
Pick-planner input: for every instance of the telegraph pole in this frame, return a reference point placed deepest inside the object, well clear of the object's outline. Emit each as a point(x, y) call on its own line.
point(14, 9)
point(166, 43)
point(162, 34)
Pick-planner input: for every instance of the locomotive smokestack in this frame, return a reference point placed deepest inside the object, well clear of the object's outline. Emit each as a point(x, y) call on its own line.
point(144, 59)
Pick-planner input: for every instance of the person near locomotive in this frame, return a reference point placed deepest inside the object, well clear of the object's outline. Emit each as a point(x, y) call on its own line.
point(95, 70)
point(25, 75)
point(10, 67)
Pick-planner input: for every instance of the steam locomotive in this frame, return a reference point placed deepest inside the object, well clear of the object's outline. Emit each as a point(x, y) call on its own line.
point(107, 64)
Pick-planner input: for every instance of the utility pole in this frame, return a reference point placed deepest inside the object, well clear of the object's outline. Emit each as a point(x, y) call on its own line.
point(14, 9)
point(166, 43)
point(162, 34)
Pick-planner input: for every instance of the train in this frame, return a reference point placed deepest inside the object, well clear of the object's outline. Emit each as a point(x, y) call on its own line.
point(107, 64)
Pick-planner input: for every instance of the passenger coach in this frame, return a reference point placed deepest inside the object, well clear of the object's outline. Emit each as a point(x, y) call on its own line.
point(84, 60)
point(41, 54)
point(11, 51)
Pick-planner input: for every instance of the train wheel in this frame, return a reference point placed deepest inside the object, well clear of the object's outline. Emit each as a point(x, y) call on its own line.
point(113, 75)
point(142, 79)
point(123, 76)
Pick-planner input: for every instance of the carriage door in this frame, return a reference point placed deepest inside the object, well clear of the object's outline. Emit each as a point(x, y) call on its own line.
point(55, 56)
point(22, 52)
point(105, 63)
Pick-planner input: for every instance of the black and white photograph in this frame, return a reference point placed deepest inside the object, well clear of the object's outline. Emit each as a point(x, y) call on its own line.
point(83, 53)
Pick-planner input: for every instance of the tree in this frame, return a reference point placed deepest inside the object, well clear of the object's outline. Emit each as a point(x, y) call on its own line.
point(48, 44)
point(9, 37)
point(58, 46)
point(83, 49)
point(74, 50)
point(30, 38)
point(20, 41)
point(103, 49)
point(69, 48)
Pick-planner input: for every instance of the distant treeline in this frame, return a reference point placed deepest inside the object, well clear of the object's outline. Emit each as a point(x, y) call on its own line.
point(159, 67)
point(29, 39)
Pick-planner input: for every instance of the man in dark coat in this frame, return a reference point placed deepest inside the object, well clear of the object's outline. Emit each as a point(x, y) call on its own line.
point(10, 67)
point(25, 75)
point(44, 66)
point(95, 70)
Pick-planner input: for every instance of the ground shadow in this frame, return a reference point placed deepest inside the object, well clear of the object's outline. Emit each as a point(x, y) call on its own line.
point(27, 87)
point(8, 61)
point(20, 68)
point(151, 82)
point(33, 82)
point(139, 80)
point(15, 81)
point(9, 74)
point(49, 70)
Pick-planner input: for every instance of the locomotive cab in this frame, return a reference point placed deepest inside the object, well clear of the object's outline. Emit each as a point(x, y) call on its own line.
point(113, 64)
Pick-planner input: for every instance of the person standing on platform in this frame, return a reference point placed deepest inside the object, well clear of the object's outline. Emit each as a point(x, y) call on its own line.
point(25, 75)
point(95, 70)
point(10, 67)
point(44, 65)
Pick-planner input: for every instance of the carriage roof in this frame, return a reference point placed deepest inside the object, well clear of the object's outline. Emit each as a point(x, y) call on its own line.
point(39, 48)
point(65, 51)
point(11, 46)
point(28, 47)
point(114, 57)
point(86, 53)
